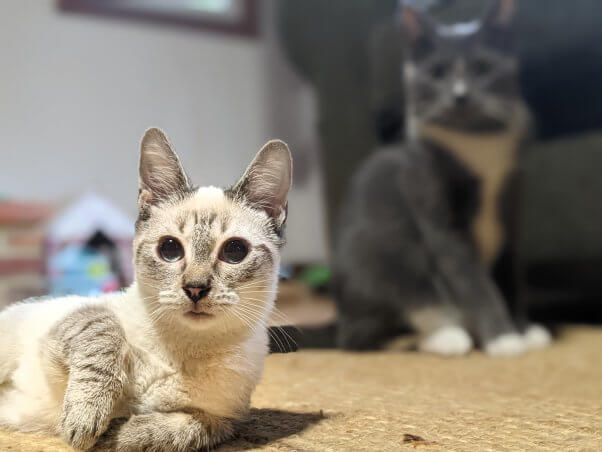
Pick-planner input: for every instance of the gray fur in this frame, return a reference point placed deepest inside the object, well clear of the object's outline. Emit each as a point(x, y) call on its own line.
point(157, 432)
point(91, 344)
point(406, 254)
point(463, 76)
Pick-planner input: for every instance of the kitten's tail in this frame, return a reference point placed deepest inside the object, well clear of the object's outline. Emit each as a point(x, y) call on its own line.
point(285, 339)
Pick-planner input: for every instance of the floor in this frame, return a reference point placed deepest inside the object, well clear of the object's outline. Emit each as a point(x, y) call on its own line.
point(548, 399)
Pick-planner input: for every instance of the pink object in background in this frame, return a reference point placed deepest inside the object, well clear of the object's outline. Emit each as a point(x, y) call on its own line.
point(22, 235)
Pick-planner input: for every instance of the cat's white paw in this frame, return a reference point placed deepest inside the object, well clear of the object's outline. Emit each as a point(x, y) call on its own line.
point(448, 341)
point(509, 344)
point(536, 336)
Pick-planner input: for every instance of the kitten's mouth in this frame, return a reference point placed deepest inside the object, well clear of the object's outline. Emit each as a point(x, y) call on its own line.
point(198, 314)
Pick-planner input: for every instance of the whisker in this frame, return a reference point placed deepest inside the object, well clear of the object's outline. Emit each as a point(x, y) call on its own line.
point(277, 312)
point(277, 340)
point(243, 317)
point(256, 283)
point(278, 327)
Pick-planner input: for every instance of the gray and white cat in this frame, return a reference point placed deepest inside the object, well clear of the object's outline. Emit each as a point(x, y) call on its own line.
point(171, 362)
point(422, 221)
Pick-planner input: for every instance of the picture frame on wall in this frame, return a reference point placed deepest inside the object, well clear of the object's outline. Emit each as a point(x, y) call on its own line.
point(236, 17)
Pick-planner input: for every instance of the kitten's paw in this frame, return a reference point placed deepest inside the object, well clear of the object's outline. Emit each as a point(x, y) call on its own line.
point(447, 341)
point(509, 344)
point(81, 424)
point(158, 432)
point(536, 336)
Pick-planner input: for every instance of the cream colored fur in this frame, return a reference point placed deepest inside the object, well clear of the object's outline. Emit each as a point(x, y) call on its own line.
point(215, 375)
point(175, 363)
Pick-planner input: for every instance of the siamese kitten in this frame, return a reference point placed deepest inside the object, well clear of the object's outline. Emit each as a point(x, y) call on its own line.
point(422, 222)
point(170, 363)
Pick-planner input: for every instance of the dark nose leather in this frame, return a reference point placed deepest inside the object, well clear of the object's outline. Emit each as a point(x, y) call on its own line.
point(196, 292)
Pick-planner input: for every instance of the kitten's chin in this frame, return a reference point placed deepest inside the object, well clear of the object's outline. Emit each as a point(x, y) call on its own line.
point(198, 320)
point(198, 315)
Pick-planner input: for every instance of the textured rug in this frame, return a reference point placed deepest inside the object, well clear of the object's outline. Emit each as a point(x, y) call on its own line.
point(329, 401)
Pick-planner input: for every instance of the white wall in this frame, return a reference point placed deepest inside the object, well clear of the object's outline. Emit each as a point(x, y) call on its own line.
point(292, 116)
point(76, 93)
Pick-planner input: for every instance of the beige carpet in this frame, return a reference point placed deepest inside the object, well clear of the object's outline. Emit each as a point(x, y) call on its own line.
point(319, 401)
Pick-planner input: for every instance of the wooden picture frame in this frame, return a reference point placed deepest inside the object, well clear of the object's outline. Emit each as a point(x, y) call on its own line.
point(237, 17)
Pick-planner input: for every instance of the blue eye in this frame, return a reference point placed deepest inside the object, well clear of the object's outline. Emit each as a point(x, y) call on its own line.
point(170, 249)
point(234, 251)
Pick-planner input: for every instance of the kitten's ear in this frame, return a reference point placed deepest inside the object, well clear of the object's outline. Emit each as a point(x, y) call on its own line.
point(268, 179)
point(500, 13)
point(161, 174)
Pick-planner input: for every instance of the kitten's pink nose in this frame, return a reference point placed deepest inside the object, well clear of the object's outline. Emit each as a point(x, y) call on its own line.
point(196, 292)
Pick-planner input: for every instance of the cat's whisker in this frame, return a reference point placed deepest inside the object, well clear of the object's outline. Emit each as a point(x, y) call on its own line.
point(275, 338)
point(258, 315)
point(247, 321)
point(287, 336)
point(225, 303)
point(259, 291)
point(260, 303)
point(278, 314)
point(161, 300)
point(253, 317)
point(254, 283)
point(158, 314)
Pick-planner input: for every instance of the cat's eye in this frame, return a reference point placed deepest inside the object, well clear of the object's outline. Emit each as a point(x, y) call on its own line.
point(480, 67)
point(439, 70)
point(234, 251)
point(170, 249)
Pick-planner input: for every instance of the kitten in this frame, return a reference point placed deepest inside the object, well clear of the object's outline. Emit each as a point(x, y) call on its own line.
point(421, 223)
point(171, 362)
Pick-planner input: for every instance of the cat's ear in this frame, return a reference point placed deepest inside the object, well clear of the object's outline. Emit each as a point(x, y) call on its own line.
point(160, 171)
point(500, 14)
point(416, 24)
point(496, 29)
point(266, 182)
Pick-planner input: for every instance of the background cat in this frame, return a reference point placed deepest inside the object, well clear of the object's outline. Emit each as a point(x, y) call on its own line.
point(422, 224)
